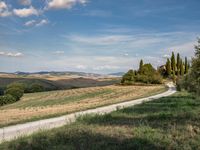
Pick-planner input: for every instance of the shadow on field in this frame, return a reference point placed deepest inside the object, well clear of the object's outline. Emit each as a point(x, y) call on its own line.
point(82, 140)
point(162, 114)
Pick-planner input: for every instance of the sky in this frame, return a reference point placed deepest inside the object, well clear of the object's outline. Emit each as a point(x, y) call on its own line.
point(99, 36)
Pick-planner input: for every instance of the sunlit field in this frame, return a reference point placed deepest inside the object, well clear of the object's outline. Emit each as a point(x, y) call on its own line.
point(47, 104)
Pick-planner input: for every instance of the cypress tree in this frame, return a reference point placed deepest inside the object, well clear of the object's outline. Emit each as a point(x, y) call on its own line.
point(186, 65)
point(141, 65)
point(173, 62)
point(181, 68)
point(174, 77)
point(178, 64)
point(168, 67)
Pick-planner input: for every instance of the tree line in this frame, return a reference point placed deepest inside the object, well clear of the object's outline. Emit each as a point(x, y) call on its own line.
point(179, 70)
point(15, 91)
point(145, 74)
point(191, 81)
point(176, 66)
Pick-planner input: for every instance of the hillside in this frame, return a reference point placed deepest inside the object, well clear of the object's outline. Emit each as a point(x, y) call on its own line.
point(59, 83)
point(35, 106)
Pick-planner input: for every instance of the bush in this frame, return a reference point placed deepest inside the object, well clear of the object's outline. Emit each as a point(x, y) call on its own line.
point(17, 93)
point(147, 69)
point(146, 74)
point(142, 78)
point(151, 79)
point(179, 84)
point(128, 78)
point(155, 79)
point(6, 99)
point(36, 88)
point(16, 85)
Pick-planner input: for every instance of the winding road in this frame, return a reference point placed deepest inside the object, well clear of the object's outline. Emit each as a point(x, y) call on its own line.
point(12, 132)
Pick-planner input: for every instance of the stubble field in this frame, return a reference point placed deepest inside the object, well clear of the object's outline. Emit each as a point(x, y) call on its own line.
point(50, 104)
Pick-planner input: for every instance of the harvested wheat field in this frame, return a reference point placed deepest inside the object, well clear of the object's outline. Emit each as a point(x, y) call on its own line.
point(48, 104)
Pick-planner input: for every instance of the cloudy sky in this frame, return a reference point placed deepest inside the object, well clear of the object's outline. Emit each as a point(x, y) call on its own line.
point(100, 36)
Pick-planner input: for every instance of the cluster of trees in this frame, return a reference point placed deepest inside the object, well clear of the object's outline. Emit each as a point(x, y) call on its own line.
point(12, 94)
point(145, 74)
point(15, 91)
point(191, 81)
point(34, 87)
point(175, 66)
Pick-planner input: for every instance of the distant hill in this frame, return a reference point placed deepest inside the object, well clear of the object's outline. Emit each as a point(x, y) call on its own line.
point(117, 74)
point(58, 73)
point(52, 80)
point(58, 84)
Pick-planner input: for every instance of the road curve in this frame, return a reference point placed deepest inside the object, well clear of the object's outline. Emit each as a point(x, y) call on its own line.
point(12, 132)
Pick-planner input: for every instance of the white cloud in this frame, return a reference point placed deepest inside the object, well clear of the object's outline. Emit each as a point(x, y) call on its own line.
point(126, 54)
point(105, 67)
point(4, 12)
point(36, 23)
point(82, 67)
point(25, 12)
point(58, 52)
point(98, 13)
point(25, 2)
point(42, 22)
point(100, 39)
point(166, 56)
point(30, 23)
point(3, 5)
point(62, 4)
point(11, 54)
point(185, 49)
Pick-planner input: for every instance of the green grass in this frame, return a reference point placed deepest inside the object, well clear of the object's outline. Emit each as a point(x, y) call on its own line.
point(167, 123)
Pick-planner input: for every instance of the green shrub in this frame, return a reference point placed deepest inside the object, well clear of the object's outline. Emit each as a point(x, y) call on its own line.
point(151, 79)
point(155, 79)
point(35, 87)
point(16, 85)
point(146, 74)
point(17, 93)
point(128, 77)
point(179, 84)
point(142, 78)
point(6, 99)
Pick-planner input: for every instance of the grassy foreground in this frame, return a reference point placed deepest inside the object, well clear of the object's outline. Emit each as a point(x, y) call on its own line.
point(168, 123)
point(37, 106)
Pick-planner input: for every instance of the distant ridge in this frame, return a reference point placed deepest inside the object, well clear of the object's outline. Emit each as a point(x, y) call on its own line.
point(58, 73)
point(70, 73)
point(117, 74)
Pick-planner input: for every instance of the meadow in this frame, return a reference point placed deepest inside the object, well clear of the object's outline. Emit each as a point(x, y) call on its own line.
point(167, 123)
point(35, 106)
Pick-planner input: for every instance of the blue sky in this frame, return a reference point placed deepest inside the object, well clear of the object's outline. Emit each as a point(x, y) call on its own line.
point(100, 36)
